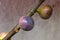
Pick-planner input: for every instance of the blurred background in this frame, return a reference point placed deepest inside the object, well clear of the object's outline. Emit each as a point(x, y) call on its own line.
point(12, 10)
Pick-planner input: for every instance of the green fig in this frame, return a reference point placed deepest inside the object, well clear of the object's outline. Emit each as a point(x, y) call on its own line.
point(2, 35)
point(45, 11)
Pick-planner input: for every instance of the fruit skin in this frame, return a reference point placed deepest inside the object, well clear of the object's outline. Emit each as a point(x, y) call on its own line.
point(45, 11)
point(2, 35)
point(26, 23)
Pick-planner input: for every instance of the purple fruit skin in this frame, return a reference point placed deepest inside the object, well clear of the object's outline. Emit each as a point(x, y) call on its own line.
point(26, 23)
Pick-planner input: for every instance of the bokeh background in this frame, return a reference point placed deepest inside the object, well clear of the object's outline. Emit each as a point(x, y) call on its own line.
point(12, 10)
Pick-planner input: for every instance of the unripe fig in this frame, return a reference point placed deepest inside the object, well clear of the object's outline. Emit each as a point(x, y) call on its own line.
point(45, 11)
